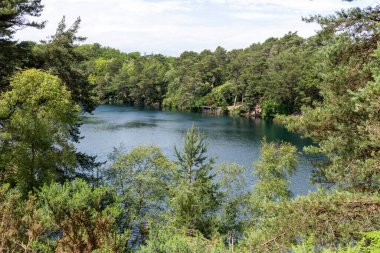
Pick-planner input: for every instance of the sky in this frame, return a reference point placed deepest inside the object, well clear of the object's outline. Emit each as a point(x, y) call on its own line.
point(170, 27)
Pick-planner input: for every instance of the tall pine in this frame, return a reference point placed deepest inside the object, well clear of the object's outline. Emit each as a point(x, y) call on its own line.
point(194, 196)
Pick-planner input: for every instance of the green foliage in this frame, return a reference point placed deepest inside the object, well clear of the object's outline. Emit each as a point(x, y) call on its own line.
point(37, 117)
point(273, 169)
point(231, 178)
point(271, 108)
point(141, 178)
point(194, 196)
point(331, 218)
point(58, 56)
point(370, 243)
point(13, 57)
point(74, 217)
point(281, 83)
point(172, 240)
point(330, 82)
point(147, 77)
point(345, 132)
point(95, 51)
point(361, 24)
point(276, 164)
point(13, 16)
point(275, 73)
point(193, 164)
point(84, 217)
point(235, 207)
point(193, 76)
point(129, 78)
point(307, 246)
point(22, 223)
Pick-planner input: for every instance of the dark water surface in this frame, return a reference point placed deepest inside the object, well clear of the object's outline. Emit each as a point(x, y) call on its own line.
point(232, 139)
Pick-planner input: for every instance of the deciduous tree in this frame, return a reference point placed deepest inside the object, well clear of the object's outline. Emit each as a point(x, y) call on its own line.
point(37, 117)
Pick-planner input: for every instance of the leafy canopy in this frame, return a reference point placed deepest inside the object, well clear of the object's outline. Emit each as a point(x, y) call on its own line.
point(141, 178)
point(36, 119)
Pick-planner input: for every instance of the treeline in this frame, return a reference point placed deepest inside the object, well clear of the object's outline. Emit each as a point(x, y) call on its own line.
point(55, 199)
point(274, 75)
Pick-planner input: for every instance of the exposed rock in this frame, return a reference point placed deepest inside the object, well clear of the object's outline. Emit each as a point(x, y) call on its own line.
point(212, 110)
point(256, 111)
point(233, 107)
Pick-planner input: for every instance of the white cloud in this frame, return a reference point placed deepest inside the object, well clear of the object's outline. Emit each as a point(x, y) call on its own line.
point(319, 6)
point(172, 26)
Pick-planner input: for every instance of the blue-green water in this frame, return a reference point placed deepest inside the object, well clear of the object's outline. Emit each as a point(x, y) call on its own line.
point(232, 139)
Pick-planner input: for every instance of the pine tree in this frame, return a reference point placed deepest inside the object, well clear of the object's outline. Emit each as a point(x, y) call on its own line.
point(13, 16)
point(194, 195)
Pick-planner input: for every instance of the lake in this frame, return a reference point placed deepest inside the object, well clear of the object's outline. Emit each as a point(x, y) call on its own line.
point(231, 139)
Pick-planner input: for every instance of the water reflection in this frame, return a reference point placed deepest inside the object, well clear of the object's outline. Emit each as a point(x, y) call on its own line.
point(233, 139)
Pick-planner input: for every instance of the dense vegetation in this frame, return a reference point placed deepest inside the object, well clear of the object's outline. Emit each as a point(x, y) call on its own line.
point(274, 75)
point(55, 199)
